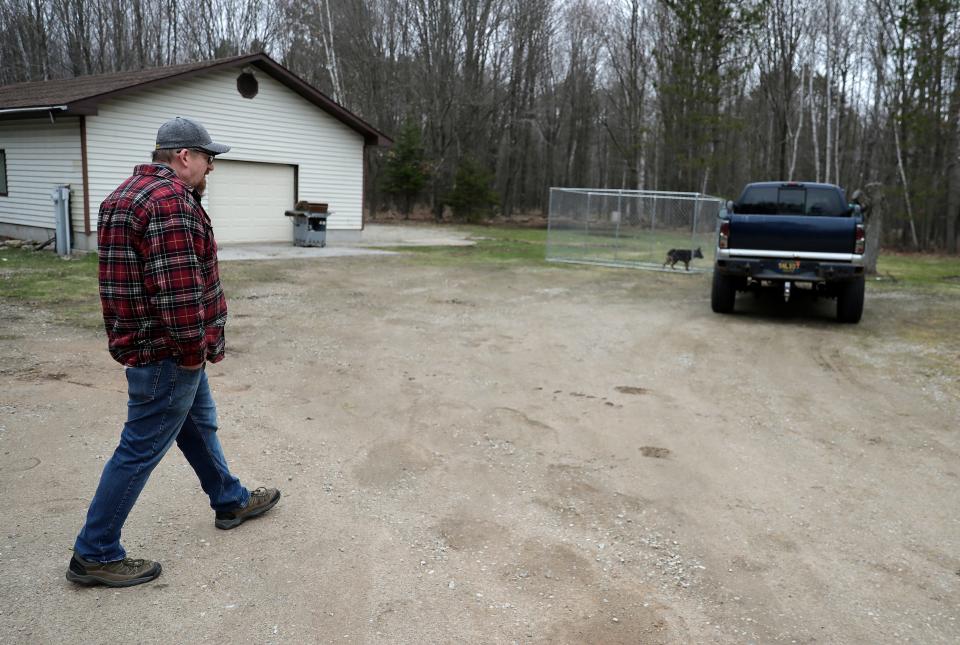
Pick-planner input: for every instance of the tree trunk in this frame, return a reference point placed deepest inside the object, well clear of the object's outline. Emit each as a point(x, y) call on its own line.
point(953, 197)
point(333, 68)
point(796, 138)
point(828, 146)
point(813, 130)
point(903, 179)
point(873, 203)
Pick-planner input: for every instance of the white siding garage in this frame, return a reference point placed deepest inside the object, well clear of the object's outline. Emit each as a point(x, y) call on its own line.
point(276, 127)
point(289, 142)
point(246, 201)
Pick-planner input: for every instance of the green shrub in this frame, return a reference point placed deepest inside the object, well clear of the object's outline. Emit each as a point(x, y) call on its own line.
point(405, 172)
point(472, 197)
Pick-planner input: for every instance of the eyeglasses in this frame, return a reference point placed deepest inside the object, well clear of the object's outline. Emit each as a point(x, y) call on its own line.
point(203, 153)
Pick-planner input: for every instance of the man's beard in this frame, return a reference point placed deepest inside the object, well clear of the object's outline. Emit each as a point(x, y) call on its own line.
point(201, 186)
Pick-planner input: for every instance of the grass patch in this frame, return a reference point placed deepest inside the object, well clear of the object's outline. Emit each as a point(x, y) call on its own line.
point(627, 245)
point(66, 288)
point(494, 245)
point(508, 245)
point(940, 273)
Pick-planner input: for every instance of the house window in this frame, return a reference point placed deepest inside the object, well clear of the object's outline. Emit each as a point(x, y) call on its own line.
point(3, 173)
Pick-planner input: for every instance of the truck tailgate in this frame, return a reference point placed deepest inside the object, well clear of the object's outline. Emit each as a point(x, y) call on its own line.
point(792, 233)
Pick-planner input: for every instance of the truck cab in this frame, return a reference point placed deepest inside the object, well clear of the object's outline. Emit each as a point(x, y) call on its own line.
point(786, 235)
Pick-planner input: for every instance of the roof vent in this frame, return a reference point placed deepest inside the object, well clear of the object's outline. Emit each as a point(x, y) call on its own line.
point(247, 85)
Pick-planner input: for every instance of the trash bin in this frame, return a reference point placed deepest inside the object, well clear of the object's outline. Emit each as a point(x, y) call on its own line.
point(309, 224)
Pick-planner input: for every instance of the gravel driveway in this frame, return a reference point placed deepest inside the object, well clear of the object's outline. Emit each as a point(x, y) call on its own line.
point(499, 454)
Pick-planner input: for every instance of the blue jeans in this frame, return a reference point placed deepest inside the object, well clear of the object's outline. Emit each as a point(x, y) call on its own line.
point(166, 403)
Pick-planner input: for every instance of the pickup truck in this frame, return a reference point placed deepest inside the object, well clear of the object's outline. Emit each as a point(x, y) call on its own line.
point(786, 235)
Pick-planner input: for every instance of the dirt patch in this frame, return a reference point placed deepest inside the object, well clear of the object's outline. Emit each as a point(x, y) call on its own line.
point(653, 451)
point(468, 457)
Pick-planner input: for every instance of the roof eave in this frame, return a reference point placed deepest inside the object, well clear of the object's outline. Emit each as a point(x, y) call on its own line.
point(45, 111)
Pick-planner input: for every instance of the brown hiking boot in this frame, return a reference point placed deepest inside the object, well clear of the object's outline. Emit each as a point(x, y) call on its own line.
point(261, 501)
point(122, 573)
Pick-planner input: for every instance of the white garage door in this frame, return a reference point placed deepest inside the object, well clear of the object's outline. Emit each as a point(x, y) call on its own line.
point(247, 201)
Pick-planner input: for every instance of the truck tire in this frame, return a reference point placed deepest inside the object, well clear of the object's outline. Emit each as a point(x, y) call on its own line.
point(723, 294)
point(850, 301)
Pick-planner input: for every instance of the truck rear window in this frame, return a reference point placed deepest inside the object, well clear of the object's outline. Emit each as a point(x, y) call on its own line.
point(791, 200)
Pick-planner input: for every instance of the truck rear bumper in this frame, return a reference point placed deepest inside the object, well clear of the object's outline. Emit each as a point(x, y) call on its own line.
point(789, 269)
point(753, 254)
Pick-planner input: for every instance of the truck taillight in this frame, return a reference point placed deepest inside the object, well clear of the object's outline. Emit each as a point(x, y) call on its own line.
point(724, 241)
point(859, 240)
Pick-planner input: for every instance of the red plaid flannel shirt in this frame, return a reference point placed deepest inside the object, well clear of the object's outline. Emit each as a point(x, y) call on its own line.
point(159, 282)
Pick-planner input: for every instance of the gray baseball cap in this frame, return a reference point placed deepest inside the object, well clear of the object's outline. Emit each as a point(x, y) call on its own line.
point(181, 132)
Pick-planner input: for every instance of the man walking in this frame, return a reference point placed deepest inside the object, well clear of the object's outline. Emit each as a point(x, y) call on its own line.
point(164, 312)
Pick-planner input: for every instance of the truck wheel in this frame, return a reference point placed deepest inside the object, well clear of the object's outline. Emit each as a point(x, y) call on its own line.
point(723, 294)
point(850, 301)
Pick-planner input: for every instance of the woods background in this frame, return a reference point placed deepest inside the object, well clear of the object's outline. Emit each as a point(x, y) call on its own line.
point(491, 102)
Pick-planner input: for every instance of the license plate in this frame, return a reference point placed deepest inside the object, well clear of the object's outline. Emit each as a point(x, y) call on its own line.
point(789, 266)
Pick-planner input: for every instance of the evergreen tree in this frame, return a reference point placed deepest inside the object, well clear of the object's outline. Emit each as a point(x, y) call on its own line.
point(473, 196)
point(405, 172)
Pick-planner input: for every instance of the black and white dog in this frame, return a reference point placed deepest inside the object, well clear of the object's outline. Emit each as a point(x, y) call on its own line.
point(682, 255)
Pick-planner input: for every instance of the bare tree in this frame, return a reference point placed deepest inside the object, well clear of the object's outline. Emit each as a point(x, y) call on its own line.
point(778, 48)
point(628, 45)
